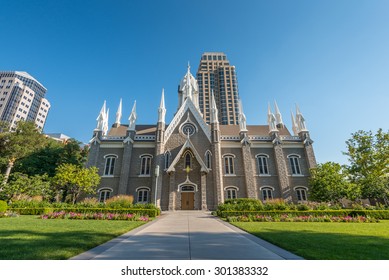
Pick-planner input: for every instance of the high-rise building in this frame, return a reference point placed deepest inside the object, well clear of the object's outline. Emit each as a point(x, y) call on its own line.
point(215, 74)
point(22, 97)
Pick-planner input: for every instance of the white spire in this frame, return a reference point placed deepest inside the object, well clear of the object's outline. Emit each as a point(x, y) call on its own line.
point(278, 116)
point(294, 125)
point(162, 109)
point(214, 111)
point(300, 120)
point(119, 113)
point(271, 120)
point(188, 89)
point(105, 126)
point(132, 118)
point(101, 117)
point(242, 117)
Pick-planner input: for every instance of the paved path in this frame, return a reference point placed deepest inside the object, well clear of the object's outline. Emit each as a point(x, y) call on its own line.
point(187, 235)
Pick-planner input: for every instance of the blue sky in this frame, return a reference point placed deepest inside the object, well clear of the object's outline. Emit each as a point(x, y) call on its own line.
point(329, 57)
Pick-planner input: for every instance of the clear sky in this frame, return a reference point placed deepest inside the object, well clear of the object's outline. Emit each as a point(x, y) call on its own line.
point(329, 57)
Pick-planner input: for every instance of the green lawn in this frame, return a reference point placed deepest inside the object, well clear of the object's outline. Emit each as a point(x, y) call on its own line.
point(326, 241)
point(30, 238)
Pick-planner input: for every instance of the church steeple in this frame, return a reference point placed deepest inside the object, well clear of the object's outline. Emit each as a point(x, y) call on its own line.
point(101, 118)
point(214, 112)
point(105, 126)
point(161, 108)
point(294, 125)
point(132, 118)
point(271, 120)
point(118, 114)
point(278, 116)
point(242, 118)
point(188, 89)
point(300, 120)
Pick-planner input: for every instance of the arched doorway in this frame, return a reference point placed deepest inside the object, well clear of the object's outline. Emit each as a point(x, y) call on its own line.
point(187, 197)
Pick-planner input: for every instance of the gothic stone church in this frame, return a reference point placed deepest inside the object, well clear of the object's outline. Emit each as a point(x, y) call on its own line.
point(188, 164)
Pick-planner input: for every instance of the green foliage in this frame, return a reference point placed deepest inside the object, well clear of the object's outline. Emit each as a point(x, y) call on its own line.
point(377, 214)
point(120, 201)
point(73, 180)
point(20, 185)
point(20, 143)
point(3, 206)
point(368, 155)
point(328, 183)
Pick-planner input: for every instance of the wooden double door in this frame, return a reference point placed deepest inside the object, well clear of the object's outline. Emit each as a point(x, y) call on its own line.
point(187, 200)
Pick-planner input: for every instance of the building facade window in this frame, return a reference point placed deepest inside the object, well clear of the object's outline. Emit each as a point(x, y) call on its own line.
point(295, 164)
point(267, 193)
point(167, 159)
point(263, 168)
point(145, 164)
point(188, 160)
point(208, 159)
point(104, 194)
point(143, 195)
point(301, 194)
point(231, 193)
point(110, 161)
point(229, 164)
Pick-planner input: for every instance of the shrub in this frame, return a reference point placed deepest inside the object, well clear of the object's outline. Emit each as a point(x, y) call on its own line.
point(120, 201)
point(275, 204)
point(90, 202)
point(302, 207)
point(3, 206)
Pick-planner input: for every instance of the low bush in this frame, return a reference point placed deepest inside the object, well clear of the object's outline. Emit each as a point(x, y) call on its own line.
point(94, 216)
point(308, 218)
point(3, 206)
point(41, 211)
point(376, 214)
point(119, 201)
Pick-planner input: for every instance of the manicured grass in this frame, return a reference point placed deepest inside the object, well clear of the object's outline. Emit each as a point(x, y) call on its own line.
point(31, 238)
point(326, 241)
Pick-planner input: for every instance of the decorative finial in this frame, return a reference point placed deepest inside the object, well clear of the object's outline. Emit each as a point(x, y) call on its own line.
point(119, 113)
point(162, 109)
point(132, 118)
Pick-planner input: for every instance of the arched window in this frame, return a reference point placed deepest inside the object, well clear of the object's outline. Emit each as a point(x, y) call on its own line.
point(110, 161)
point(267, 193)
point(208, 159)
point(104, 194)
point(231, 192)
point(143, 195)
point(229, 164)
point(188, 159)
point(145, 164)
point(167, 159)
point(301, 193)
point(263, 168)
point(295, 164)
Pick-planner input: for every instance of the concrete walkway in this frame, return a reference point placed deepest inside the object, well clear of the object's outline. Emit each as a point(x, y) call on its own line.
point(187, 235)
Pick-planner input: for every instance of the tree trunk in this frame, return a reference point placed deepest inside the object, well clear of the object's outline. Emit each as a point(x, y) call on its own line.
point(8, 170)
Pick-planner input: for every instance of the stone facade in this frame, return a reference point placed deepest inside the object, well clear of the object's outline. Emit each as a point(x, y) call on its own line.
point(201, 165)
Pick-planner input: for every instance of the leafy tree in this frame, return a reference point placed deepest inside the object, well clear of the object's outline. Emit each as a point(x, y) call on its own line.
point(73, 180)
point(21, 142)
point(368, 155)
point(329, 183)
point(49, 157)
point(21, 184)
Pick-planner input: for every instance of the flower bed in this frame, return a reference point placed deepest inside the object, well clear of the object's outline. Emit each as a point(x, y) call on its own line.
point(308, 218)
point(94, 216)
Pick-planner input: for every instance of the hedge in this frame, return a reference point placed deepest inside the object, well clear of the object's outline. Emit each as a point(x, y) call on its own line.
point(378, 214)
point(47, 210)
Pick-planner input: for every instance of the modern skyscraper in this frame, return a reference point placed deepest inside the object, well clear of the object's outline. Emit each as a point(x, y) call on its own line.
point(22, 98)
point(216, 74)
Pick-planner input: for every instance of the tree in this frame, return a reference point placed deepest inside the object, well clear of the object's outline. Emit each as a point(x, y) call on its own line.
point(368, 155)
point(73, 180)
point(329, 183)
point(17, 144)
point(21, 184)
point(49, 157)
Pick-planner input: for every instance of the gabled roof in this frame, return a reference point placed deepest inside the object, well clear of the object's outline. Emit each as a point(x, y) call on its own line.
point(139, 129)
point(187, 105)
point(188, 145)
point(262, 130)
